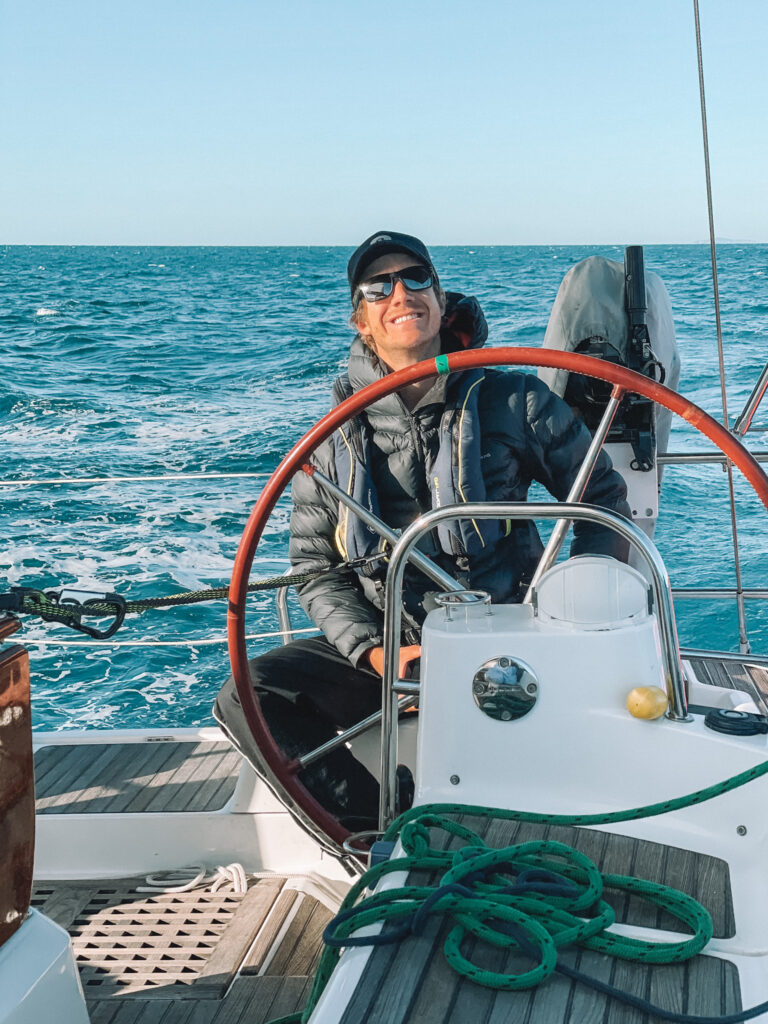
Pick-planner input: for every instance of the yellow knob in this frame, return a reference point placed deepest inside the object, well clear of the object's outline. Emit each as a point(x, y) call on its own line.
point(647, 702)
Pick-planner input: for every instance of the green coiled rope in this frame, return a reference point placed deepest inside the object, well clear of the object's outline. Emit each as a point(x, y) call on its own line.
point(477, 887)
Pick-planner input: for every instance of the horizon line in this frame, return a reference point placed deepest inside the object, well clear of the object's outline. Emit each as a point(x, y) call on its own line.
point(348, 245)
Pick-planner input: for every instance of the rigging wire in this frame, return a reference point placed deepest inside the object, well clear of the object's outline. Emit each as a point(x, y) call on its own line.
point(149, 642)
point(664, 458)
point(130, 479)
point(744, 646)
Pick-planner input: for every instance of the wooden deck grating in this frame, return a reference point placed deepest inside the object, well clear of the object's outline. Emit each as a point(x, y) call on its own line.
point(134, 778)
point(196, 956)
point(411, 982)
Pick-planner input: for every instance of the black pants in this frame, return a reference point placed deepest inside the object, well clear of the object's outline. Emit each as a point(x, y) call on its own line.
point(308, 691)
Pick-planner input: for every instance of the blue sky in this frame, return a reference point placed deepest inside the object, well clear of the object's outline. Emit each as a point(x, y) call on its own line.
point(294, 122)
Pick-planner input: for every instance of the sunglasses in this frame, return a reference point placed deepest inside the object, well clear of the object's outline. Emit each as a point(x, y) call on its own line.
point(415, 279)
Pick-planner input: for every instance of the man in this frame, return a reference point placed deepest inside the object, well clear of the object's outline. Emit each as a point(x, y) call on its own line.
point(473, 436)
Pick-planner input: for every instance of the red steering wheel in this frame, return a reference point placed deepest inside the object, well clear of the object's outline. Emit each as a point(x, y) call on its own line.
point(284, 769)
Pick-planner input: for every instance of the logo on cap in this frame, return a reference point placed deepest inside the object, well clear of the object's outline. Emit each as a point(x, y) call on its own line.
point(380, 238)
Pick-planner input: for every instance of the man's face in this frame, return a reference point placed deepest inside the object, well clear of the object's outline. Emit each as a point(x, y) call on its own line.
point(403, 328)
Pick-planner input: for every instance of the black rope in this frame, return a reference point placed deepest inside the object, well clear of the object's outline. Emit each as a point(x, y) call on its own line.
point(656, 1011)
point(217, 593)
point(66, 607)
point(644, 1005)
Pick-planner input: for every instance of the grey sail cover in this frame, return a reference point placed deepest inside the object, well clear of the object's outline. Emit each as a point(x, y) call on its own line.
point(590, 304)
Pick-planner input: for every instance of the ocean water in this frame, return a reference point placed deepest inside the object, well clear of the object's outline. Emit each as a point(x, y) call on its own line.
point(168, 361)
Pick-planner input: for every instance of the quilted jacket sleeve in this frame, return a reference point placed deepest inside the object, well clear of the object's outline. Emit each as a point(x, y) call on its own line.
point(335, 602)
point(556, 445)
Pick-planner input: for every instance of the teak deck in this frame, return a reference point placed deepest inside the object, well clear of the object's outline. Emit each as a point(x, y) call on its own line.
point(734, 675)
point(134, 778)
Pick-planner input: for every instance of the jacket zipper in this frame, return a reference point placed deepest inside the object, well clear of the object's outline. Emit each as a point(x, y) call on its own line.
point(423, 484)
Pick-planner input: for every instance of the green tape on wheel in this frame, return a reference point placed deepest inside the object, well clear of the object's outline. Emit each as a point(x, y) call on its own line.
point(441, 362)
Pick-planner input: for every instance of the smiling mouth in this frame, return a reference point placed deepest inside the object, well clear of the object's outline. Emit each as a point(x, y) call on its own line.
point(406, 318)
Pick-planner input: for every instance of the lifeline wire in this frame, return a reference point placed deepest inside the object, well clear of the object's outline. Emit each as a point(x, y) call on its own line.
point(96, 480)
point(149, 642)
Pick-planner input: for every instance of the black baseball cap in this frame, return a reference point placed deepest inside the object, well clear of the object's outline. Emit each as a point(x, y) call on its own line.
point(380, 243)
